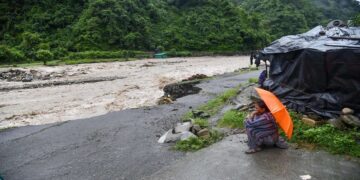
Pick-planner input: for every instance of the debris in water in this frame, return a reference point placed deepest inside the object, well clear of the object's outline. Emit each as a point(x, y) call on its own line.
point(178, 90)
point(196, 77)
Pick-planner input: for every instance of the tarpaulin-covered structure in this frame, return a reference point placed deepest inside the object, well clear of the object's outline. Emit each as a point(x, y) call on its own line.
point(318, 71)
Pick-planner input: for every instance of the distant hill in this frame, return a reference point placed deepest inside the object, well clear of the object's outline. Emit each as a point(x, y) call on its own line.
point(295, 16)
point(51, 29)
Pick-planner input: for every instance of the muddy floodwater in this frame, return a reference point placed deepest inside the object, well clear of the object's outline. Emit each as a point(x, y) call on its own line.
point(81, 91)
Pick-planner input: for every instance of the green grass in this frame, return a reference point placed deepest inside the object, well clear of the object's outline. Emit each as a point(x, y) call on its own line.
point(326, 137)
point(196, 143)
point(233, 119)
point(214, 105)
point(203, 123)
point(253, 80)
point(211, 108)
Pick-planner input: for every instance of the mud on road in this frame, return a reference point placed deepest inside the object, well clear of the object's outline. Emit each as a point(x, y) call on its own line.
point(81, 91)
point(117, 145)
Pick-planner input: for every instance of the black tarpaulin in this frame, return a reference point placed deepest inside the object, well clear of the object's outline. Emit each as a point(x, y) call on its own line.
point(313, 76)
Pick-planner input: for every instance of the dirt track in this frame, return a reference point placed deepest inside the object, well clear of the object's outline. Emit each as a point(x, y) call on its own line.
point(140, 84)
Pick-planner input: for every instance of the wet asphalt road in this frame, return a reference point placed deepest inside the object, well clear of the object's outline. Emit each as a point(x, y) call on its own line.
point(226, 160)
point(118, 145)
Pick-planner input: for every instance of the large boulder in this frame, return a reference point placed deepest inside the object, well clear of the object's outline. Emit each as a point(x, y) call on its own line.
point(195, 129)
point(182, 127)
point(337, 122)
point(186, 135)
point(204, 133)
point(347, 111)
point(351, 120)
point(169, 136)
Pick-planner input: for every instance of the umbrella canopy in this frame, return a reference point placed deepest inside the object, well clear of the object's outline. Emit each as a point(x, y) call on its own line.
point(278, 110)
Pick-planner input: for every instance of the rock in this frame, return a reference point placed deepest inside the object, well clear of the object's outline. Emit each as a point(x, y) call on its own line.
point(314, 116)
point(182, 127)
point(225, 131)
point(27, 78)
point(186, 135)
point(347, 111)
point(337, 123)
point(165, 100)
point(169, 137)
point(195, 129)
point(197, 113)
point(311, 122)
point(204, 133)
point(350, 120)
point(200, 114)
point(204, 115)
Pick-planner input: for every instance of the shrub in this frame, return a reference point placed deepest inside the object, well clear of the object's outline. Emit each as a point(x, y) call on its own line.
point(44, 55)
point(59, 52)
point(356, 20)
point(10, 55)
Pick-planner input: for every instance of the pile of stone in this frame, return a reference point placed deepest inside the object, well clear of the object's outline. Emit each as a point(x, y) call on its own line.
point(184, 131)
point(347, 118)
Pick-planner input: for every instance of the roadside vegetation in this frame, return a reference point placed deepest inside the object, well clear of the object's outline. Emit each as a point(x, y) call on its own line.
point(197, 143)
point(253, 80)
point(209, 109)
point(233, 119)
point(326, 137)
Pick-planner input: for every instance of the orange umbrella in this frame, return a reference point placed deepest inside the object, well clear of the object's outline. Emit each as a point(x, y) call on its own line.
point(278, 110)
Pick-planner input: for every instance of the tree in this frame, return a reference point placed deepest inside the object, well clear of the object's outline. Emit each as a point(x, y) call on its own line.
point(356, 20)
point(44, 55)
point(10, 55)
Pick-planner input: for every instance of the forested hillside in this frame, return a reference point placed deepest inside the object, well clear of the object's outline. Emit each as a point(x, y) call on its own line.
point(296, 16)
point(54, 29)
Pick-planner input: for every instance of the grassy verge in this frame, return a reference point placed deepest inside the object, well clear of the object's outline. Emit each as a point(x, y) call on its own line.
point(211, 108)
point(233, 119)
point(326, 137)
point(253, 80)
point(214, 105)
point(196, 143)
point(203, 123)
